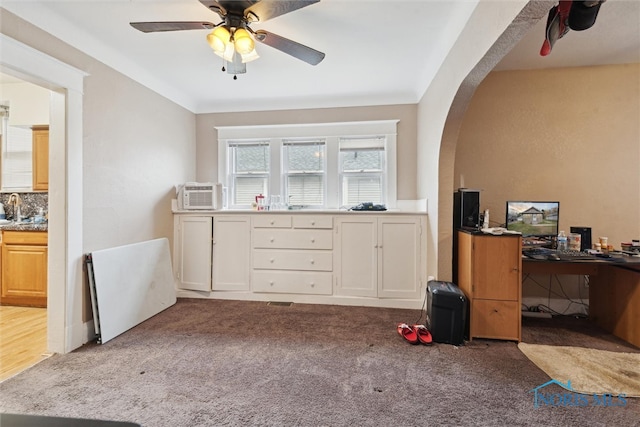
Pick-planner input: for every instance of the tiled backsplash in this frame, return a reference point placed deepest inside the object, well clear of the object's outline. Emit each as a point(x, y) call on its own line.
point(31, 202)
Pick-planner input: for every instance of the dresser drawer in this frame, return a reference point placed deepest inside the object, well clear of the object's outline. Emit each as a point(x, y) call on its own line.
point(312, 221)
point(292, 282)
point(293, 260)
point(292, 239)
point(271, 221)
point(495, 319)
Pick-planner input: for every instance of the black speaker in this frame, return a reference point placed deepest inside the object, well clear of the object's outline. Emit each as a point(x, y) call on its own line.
point(466, 214)
point(466, 208)
point(585, 236)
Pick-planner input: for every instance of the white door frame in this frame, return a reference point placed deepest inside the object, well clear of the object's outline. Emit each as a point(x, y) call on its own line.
point(65, 327)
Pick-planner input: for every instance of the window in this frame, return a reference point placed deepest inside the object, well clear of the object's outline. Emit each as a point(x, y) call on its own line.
point(362, 170)
point(325, 165)
point(304, 172)
point(17, 159)
point(249, 171)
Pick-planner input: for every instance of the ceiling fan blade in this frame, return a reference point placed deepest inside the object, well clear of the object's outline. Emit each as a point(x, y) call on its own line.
point(154, 27)
point(295, 49)
point(268, 9)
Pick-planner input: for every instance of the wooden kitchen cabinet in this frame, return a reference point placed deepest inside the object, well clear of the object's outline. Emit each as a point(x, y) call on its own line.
point(489, 273)
point(24, 268)
point(40, 155)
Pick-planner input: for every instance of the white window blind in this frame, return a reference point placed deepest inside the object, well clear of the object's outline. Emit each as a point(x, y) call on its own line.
point(249, 171)
point(304, 170)
point(362, 170)
point(17, 162)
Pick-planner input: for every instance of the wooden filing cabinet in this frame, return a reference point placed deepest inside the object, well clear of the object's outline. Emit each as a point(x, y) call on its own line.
point(489, 273)
point(24, 268)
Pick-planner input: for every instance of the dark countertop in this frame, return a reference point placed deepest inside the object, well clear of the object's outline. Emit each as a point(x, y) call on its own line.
point(25, 226)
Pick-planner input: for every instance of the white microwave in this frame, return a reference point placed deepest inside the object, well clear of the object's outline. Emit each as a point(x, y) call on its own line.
point(196, 195)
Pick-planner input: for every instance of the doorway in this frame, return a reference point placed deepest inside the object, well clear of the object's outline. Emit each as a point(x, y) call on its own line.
point(65, 327)
point(23, 317)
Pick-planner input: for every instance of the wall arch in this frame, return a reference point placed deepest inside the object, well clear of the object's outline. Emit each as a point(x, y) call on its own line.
point(524, 21)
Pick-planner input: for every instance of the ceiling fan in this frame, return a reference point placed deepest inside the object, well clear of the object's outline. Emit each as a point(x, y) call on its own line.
point(233, 39)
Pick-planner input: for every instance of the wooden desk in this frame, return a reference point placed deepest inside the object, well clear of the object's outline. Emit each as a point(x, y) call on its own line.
point(614, 291)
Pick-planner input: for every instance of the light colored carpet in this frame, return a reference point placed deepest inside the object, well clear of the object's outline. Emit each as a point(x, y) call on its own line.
point(590, 371)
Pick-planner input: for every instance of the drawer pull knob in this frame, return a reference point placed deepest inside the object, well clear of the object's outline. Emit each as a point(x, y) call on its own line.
point(271, 282)
point(313, 223)
point(313, 240)
point(313, 284)
point(271, 239)
point(271, 260)
point(313, 262)
point(271, 222)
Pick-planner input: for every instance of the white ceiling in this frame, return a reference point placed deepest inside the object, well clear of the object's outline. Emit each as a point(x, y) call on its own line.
point(377, 52)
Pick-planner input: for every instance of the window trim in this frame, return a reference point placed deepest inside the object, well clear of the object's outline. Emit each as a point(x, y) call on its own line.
point(331, 133)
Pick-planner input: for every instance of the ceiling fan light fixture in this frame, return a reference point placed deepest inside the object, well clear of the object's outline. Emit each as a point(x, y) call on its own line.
point(243, 41)
point(218, 39)
point(248, 57)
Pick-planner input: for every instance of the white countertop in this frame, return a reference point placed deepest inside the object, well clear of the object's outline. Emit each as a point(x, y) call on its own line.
point(295, 212)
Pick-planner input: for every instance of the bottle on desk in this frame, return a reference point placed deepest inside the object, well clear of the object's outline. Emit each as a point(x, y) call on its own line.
point(562, 242)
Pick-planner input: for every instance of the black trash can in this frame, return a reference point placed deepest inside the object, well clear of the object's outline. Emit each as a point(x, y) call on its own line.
point(446, 312)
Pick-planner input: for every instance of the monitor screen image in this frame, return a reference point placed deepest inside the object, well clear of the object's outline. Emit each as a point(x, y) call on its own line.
point(538, 219)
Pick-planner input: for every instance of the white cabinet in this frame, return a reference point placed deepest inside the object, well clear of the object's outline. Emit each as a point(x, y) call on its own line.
point(379, 256)
point(376, 259)
point(356, 256)
point(292, 254)
point(231, 253)
point(399, 257)
point(192, 252)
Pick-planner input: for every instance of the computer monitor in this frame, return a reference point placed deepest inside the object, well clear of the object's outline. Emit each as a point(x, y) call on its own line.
point(533, 219)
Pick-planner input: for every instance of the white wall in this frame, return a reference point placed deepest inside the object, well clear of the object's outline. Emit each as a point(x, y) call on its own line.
point(136, 145)
point(28, 103)
point(435, 156)
point(207, 145)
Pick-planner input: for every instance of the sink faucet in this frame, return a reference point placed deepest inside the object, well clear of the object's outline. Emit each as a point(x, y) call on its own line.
point(14, 199)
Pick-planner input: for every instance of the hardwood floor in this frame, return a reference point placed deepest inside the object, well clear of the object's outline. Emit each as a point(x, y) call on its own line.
point(23, 338)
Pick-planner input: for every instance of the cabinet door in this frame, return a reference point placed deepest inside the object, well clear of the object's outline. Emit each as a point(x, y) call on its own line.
point(496, 267)
point(194, 253)
point(24, 275)
point(355, 253)
point(40, 159)
point(231, 253)
point(399, 252)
